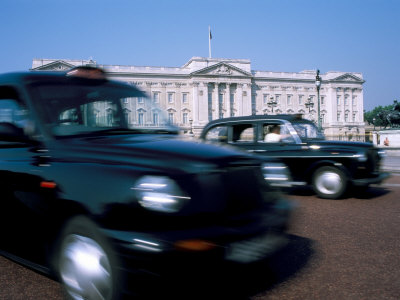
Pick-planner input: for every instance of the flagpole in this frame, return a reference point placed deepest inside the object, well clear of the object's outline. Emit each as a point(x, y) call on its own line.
point(209, 42)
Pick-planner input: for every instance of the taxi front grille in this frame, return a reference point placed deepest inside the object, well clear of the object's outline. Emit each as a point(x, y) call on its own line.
point(243, 187)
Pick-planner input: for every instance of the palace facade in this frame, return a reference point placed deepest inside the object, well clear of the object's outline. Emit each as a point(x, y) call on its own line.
point(205, 89)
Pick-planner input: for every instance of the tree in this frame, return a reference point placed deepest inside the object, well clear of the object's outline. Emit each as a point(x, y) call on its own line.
point(379, 113)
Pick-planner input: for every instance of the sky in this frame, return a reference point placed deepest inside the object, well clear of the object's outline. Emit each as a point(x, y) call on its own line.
point(276, 35)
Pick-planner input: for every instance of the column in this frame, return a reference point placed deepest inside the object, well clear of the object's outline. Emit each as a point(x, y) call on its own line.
point(164, 96)
point(239, 97)
point(178, 103)
point(247, 100)
point(227, 104)
point(215, 102)
point(203, 103)
point(195, 103)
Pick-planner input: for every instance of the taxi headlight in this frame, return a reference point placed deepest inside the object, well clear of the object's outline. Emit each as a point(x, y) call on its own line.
point(361, 157)
point(159, 193)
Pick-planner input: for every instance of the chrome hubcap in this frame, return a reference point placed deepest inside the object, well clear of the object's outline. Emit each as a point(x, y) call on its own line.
point(329, 183)
point(85, 269)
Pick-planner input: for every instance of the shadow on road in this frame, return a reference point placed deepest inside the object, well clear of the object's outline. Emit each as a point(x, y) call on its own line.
point(232, 281)
point(356, 193)
point(371, 193)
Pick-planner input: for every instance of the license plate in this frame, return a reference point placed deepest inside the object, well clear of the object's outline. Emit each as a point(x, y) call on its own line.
point(255, 249)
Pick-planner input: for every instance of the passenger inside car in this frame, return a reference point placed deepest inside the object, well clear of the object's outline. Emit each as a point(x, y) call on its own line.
point(274, 135)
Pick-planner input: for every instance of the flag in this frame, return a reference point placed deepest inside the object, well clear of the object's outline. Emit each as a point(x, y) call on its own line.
point(210, 35)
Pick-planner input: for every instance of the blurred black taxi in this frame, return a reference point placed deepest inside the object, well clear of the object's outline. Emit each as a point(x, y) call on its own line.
point(94, 194)
point(330, 167)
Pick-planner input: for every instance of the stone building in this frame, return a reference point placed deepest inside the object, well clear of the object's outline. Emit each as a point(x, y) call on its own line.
point(205, 89)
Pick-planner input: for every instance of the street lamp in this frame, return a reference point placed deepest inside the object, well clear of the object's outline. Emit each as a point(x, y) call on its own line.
point(309, 104)
point(272, 103)
point(191, 127)
point(373, 122)
point(318, 85)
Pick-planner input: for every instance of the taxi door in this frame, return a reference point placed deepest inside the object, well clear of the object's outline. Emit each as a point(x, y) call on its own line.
point(21, 170)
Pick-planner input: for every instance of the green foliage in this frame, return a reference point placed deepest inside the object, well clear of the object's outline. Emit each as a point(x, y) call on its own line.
point(379, 113)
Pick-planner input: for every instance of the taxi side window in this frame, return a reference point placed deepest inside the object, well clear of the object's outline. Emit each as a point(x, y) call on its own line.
point(243, 133)
point(13, 114)
point(275, 133)
point(217, 134)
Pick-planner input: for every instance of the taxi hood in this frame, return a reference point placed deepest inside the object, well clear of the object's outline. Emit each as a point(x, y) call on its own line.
point(164, 151)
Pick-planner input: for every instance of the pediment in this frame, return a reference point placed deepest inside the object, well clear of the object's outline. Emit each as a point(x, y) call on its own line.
point(58, 65)
point(222, 69)
point(348, 78)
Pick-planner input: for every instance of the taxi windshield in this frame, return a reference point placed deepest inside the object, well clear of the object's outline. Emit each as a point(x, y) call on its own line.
point(69, 109)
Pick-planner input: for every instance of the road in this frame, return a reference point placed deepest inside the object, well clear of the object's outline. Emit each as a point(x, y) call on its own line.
point(339, 249)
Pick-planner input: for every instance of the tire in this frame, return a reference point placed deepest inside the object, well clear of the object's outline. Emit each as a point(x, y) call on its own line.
point(329, 182)
point(85, 263)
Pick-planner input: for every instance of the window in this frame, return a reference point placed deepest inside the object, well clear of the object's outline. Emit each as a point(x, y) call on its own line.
point(322, 100)
point(289, 99)
point(110, 117)
point(338, 117)
point(338, 100)
point(13, 112)
point(354, 118)
point(171, 118)
point(125, 100)
point(243, 133)
point(346, 117)
point(170, 97)
point(277, 97)
point(217, 134)
point(275, 133)
point(140, 100)
point(346, 100)
point(323, 118)
point(155, 118)
point(156, 97)
point(301, 99)
point(140, 119)
point(265, 99)
point(127, 116)
point(185, 118)
point(184, 98)
point(354, 100)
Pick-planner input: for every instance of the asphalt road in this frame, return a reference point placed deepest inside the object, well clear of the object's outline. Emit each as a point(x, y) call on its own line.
point(339, 249)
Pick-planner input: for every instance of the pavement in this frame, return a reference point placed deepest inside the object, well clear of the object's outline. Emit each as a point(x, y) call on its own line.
point(391, 163)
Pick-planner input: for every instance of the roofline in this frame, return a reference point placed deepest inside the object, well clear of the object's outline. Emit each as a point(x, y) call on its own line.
point(257, 117)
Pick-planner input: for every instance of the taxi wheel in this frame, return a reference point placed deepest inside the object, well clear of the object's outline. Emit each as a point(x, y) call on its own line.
point(85, 264)
point(329, 182)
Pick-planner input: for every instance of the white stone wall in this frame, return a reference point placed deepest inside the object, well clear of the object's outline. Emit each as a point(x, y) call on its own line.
point(221, 78)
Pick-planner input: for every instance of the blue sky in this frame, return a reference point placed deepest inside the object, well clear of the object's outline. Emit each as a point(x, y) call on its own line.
point(276, 35)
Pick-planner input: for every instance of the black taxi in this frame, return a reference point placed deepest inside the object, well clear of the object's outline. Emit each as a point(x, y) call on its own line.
point(330, 167)
point(95, 190)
